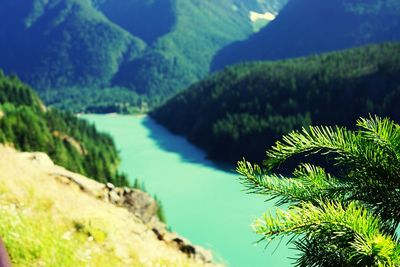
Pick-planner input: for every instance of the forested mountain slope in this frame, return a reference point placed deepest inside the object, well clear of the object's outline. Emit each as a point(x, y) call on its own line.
point(114, 53)
point(146, 19)
point(238, 112)
point(184, 54)
point(62, 43)
point(305, 27)
point(26, 124)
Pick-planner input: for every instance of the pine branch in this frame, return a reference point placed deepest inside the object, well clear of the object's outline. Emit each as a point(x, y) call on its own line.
point(313, 140)
point(382, 132)
point(358, 155)
point(352, 222)
point(346, 221)
point(310, 183)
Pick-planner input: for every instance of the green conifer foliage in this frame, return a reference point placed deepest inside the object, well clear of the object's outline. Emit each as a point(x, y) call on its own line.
point(347, 216)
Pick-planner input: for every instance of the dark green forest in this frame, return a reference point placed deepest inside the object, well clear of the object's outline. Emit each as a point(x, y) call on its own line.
point(240, 111)
point(28, 125)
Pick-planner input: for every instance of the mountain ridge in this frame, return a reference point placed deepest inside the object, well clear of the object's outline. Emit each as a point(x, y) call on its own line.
point(306, 27)
point(117, 52)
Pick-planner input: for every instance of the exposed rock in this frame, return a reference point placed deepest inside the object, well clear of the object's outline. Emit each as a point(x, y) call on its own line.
point(158, 234)
point(72, 141)
point(204, 255)
point(42, 106)
point(183, 245)
point(142, 204)
point(65, 179)
point(137, 202)
point(145, 207)
point(110, 186)
point(114, 198)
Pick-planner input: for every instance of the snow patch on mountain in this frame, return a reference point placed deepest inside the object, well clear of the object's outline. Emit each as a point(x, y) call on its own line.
point(260, 20)
point(268, 16)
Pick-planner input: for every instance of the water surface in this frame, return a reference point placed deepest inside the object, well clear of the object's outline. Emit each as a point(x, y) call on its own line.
point(202, 201)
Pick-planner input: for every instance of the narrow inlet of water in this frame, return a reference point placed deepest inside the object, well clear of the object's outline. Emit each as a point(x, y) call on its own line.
point(202, 202)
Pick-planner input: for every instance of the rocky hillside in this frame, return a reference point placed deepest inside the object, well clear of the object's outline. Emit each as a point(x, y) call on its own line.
point(50, 216)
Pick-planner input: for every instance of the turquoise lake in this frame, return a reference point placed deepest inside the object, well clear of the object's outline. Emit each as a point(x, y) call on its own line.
point(202, 202)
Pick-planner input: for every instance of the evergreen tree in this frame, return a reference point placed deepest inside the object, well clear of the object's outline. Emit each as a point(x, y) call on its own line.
point(347, 216)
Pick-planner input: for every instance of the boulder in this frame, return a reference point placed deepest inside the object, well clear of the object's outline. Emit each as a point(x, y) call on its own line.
point(135, 201)
point(141, 204)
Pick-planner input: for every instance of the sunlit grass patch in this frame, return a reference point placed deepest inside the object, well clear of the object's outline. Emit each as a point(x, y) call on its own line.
point(33, 237)
point(89, 231)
